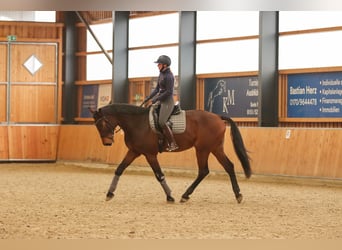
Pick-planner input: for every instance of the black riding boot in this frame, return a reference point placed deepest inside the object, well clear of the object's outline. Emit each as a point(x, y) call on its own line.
point(170, 138)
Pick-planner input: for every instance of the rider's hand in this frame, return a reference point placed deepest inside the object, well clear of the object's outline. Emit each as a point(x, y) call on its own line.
point(156, 103)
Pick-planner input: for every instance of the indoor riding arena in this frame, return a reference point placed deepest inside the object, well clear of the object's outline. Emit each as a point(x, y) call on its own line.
point(286, 101)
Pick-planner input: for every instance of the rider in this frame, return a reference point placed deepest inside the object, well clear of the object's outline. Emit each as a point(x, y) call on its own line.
point(163, 94)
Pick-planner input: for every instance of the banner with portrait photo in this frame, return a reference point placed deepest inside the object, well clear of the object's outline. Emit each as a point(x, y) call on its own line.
point(232, 96)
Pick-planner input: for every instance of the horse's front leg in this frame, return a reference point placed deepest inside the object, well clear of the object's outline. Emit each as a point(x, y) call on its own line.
point(152, 160)
point(129, 158)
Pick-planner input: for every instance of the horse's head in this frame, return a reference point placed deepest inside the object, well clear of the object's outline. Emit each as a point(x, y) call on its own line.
point(105, 126)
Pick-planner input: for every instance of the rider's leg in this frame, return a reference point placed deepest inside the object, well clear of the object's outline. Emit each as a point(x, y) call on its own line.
point(170, 138)
point(165, 112)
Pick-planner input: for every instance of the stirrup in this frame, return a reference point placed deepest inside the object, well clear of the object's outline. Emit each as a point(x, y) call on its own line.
point(172, 147)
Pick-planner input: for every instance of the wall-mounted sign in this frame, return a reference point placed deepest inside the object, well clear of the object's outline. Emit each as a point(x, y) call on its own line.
point(95, 96)
point(89, 99)
point(11, 38)
point(232, 96)
point(314, 95)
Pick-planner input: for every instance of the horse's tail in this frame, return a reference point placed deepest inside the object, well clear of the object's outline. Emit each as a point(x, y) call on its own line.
point(239, 146)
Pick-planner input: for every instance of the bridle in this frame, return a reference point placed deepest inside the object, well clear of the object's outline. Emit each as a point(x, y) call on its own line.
point(108, 124)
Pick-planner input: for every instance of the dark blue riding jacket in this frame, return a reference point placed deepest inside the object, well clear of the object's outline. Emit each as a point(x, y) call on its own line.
point(164, 89)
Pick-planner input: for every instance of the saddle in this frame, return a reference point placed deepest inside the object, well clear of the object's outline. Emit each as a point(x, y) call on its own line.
point(176, 122)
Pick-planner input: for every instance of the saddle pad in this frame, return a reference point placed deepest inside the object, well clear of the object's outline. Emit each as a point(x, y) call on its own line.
point(178, 122)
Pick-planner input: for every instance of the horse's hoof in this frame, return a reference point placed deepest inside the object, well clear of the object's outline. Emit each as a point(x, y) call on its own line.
point(109, 196)
point(184, 199)
point(170, 199)
point(239, 198)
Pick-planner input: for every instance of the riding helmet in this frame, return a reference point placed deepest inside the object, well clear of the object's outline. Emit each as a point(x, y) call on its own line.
point(163, 59)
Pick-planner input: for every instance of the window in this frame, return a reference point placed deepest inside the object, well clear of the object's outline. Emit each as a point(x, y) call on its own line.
point(312, 39)
point(237, 48)
point(146, 34)
point(234, 56)
point(303, 20)
point(29, 16)
point(98, 67)
point(153, 30)
point(224, 24)
point(142, 61)
point(104, 34)
point(322, 49)
point(95, 90)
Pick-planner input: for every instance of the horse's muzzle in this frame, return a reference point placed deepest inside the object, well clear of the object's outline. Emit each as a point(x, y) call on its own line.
point(107, 141)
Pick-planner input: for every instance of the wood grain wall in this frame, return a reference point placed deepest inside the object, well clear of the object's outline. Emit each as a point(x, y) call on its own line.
point(3, 104)
point(279, 151)
point(44, 52)
point(3, 63)
point(4, 142)
point(32, 101)
point(3, 81)
point(28, 142)
point(29, 31)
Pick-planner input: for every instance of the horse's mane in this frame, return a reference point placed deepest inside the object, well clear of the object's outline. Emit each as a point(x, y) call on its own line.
point(123, 108)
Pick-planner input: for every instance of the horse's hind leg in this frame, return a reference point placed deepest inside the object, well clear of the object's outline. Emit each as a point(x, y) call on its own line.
point(203, 171)
point(129, 158)
point(229, 168)
point(152, 160)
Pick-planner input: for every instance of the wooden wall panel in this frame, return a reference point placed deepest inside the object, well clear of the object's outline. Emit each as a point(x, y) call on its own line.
point(46, 54)
point(330, 154)
point(31, 30)
point(81, 143)
point(3, 102)
point(278, 151)
point(3, 63)
point(3, 143)
point(33, 103)
point(34, 97)
point(307, 152)
point(3, 82)
point(33, 142)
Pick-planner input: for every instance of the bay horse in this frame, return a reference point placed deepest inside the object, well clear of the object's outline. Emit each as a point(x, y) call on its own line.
point(204, 130)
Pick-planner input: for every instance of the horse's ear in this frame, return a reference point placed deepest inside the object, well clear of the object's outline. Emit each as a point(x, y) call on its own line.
point(91, 110)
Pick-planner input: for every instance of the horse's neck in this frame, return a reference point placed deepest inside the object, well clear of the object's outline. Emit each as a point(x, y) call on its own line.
point(132, 123)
